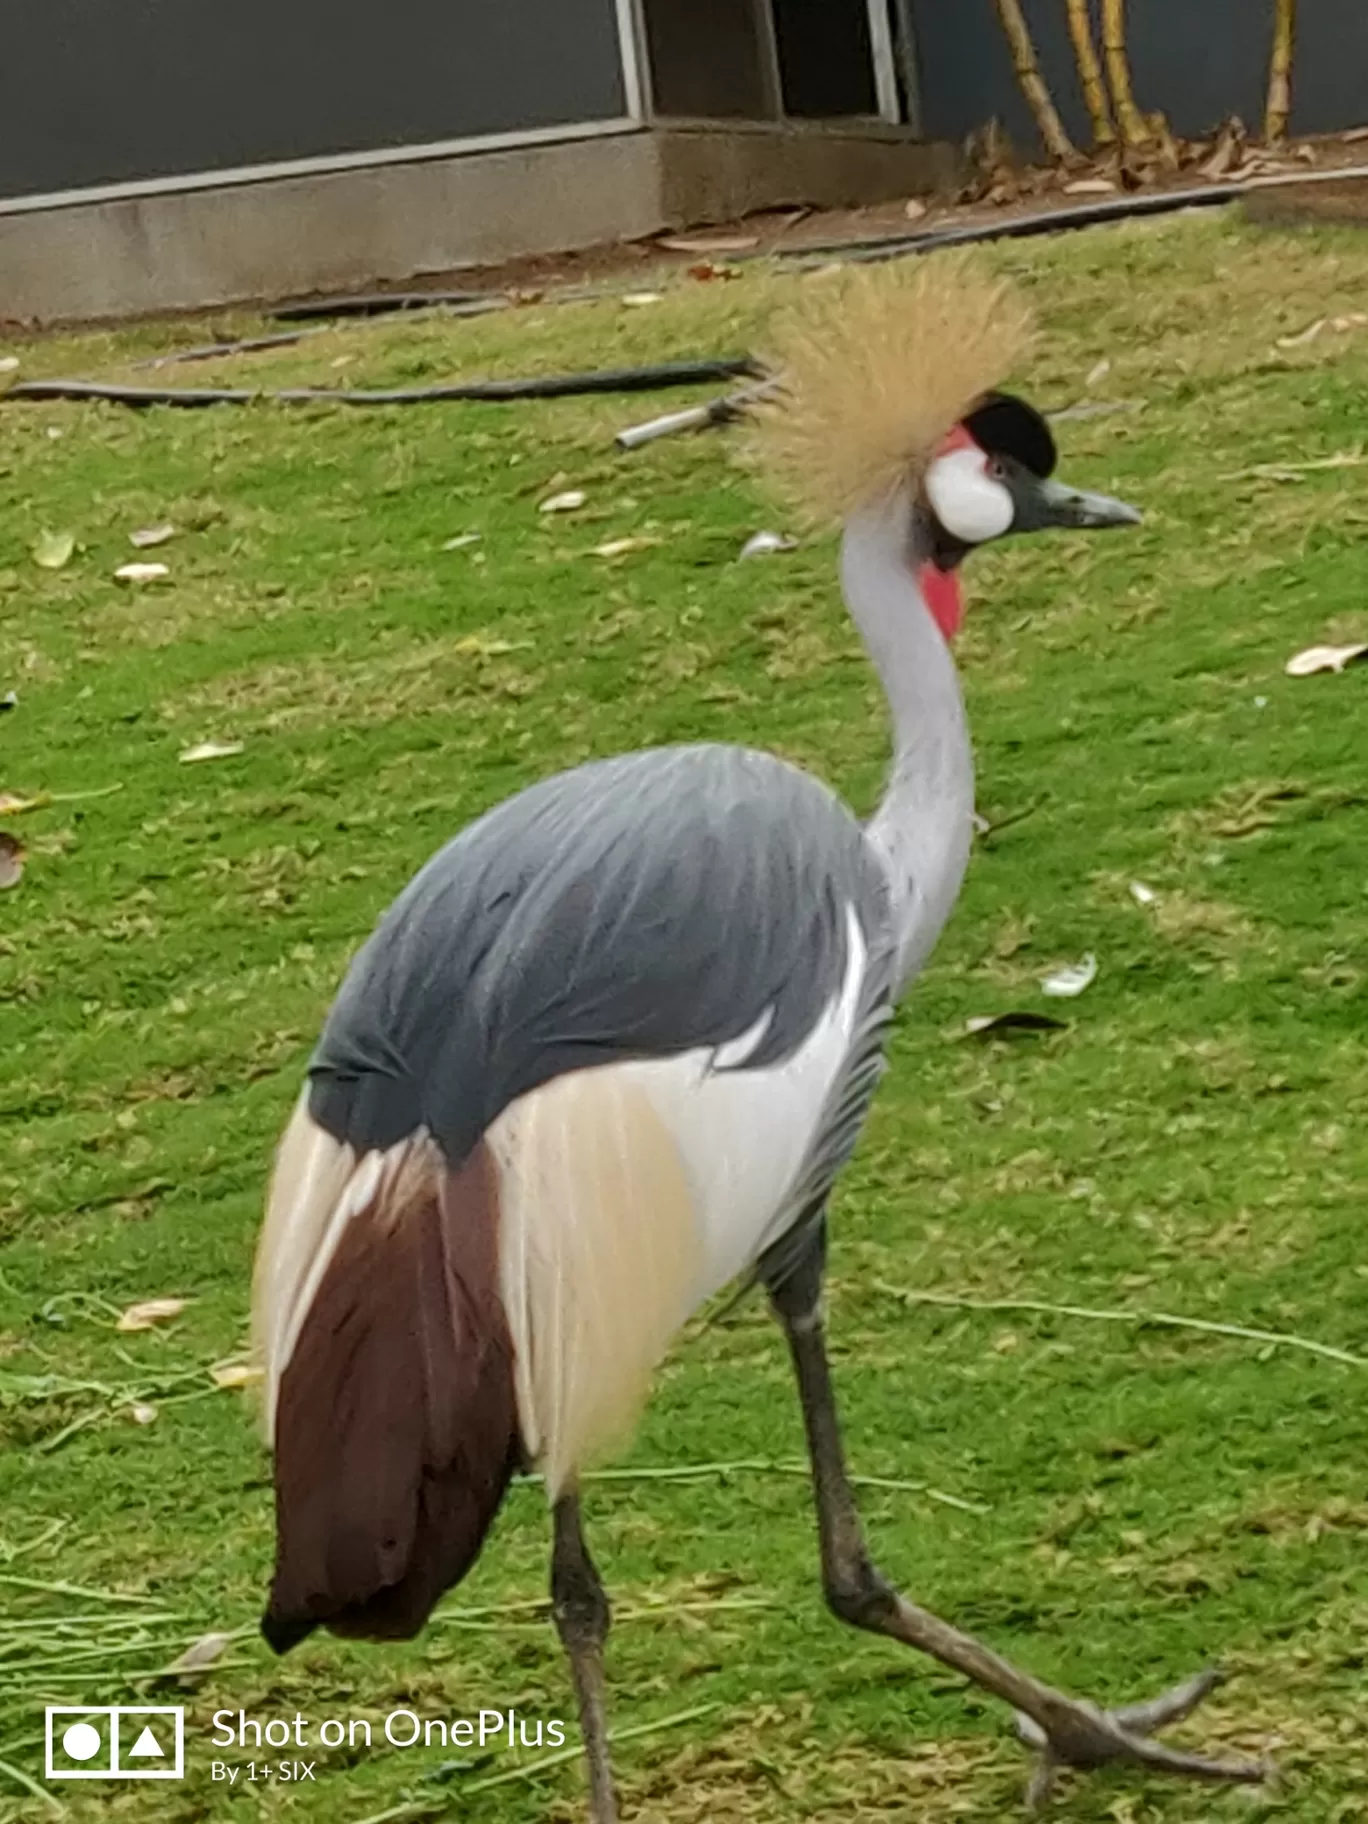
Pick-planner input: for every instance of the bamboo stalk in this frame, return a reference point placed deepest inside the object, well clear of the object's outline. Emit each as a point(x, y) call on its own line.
point(1280, 71)
point(1090, 73)
point(1134, 130)
point(1050, 127)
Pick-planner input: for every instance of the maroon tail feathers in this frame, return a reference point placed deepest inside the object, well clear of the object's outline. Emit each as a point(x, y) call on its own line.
point(396, 1425)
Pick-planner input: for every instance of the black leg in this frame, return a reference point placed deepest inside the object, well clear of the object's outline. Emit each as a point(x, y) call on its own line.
point(1064, 1731)
point(582, 1617)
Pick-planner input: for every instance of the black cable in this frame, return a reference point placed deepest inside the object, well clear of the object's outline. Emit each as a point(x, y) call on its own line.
point(376, 304)
point(550, 386)
point(1046, 221)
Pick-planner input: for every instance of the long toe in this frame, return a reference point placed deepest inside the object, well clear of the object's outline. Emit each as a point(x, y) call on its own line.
point(1080, 1735)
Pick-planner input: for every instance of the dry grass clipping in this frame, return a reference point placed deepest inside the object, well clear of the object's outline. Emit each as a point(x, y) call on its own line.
point(876, 366)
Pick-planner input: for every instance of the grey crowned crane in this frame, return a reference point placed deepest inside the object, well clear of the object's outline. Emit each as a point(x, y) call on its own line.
point(610, 1048)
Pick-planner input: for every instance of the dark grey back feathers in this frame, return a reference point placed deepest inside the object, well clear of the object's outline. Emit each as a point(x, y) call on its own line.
point(633, 907)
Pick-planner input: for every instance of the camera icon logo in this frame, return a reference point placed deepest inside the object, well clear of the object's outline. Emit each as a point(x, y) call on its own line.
point(115, 1742)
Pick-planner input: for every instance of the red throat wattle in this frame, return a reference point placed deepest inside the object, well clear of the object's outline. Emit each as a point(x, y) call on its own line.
point(940, 590)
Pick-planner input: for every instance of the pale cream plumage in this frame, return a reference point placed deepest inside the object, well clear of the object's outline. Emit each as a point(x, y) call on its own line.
point(600, 1250)
point(593, 1293)
point(309, 1180)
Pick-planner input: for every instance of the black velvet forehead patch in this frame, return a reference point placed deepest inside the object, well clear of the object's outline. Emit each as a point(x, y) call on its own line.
point(1007, 426)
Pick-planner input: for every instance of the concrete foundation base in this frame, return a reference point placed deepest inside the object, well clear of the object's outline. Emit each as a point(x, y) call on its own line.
point(295, 234)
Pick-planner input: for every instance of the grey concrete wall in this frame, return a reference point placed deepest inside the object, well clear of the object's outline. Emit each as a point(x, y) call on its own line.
point(290, 236)
point(718, 176)
point(102, 91)
point(1198, 60)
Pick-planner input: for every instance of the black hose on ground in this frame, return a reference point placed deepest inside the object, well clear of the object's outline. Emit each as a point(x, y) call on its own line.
point(381, 303)
point(1046, 221)
point(549, 386)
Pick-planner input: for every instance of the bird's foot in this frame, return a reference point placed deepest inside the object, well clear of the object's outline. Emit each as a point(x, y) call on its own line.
point(1070, 1734)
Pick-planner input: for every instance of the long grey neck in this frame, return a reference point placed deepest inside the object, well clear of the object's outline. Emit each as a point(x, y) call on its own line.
point(923, 828)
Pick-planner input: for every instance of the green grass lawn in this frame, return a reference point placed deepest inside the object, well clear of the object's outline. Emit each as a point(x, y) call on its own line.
point(1129, 1501)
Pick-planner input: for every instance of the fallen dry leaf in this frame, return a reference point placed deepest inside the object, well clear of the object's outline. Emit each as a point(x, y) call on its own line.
point(480, 646)
point(1323, 658)
point(235, 1374)
point(1090, 186)
point(634, 300)
point(141, 1413)
point(1098, 373)
point(461, 541)
point(142, 573)
point(564, 503)
point(1228, 150)
point(914, 209)
point(1303, 337)
point(53, 550)
point(148, 536)
point(618, 547)
point(760, 544)
point(1072, 979)
point(983, 1025)
point(150, 1312)
point(202, 1654)
point(1141, 894)
point(710, 243)
point(210, 750)
point(11, 860)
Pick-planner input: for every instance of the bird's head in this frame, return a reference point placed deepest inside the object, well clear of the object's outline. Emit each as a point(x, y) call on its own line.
point(887, 415)
point(994, 476)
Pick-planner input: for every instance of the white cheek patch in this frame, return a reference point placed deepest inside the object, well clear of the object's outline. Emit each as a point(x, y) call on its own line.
point(967, 502)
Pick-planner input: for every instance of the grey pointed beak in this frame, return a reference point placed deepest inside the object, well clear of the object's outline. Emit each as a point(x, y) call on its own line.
point(1074, 509)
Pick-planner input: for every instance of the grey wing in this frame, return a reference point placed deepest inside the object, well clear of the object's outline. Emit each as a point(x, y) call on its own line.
point(631, 908)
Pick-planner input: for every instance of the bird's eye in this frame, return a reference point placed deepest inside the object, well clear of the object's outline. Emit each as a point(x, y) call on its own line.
point(995, 469)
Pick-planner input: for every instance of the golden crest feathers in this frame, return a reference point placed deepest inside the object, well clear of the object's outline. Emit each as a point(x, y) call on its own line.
point(875, 366)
